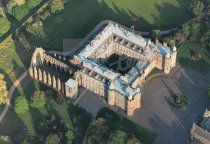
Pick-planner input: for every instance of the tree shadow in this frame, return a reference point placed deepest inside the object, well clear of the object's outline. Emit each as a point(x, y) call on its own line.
point(73, 27)
point(200, 66)
point(164, 13)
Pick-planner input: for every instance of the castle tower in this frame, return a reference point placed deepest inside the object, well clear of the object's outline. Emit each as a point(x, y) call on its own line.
point(111, 95)
point(173, 57)
point(167, 64)
point(71, 89)
point(133, 103)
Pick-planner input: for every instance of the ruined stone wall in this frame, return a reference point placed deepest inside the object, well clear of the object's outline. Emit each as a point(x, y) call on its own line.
point(47, 78)
point(58, 64)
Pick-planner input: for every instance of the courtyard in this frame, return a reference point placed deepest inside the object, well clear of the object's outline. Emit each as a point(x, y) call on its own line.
point(90, 101)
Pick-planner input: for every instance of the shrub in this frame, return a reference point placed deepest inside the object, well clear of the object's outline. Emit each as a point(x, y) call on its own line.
point(20, 11)
point(38, 99)
point(173, 100)
point(4, 25)
point(21, 105)
point(197, 7)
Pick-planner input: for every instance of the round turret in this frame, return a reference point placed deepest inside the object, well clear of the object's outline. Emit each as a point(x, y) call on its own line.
point(138, 90)
point(130, 97)
point(111, 86)
point(174, 48)
point(167, 56)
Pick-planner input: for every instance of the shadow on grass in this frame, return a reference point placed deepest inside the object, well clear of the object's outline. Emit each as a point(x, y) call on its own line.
point(201, 66)
point(77, 23)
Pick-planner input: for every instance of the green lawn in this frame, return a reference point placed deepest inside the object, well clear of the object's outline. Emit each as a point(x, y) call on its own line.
point(184, 57)
point(79, 17)
point(154, 72)
point(14, 59)
point(21, 11)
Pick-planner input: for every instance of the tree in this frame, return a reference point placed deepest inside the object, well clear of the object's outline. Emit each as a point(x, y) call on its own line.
point(25, 142)
point(5, 140)
point(185, 31)
point(205, 39)
point(21, 105)
point(19, 2)
point(118, 137)
point(56, 5)
point(195, 30)
point(69, 136)
point(156, 33)
point(52, 139)
point(4, 25)
point(169, 41)
point(3, 90)
point(197, 7)
point(2, 13)
point(99, 131)
point(38, 99)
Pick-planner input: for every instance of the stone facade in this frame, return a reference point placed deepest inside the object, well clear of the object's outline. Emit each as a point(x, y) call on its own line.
point(71, 87)
point(86, 68)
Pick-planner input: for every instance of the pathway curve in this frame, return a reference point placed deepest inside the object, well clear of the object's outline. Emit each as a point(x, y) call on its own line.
point(11, 91)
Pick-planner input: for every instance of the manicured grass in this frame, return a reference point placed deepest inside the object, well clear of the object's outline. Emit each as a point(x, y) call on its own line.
point(79, 17)
point(154, 72)
point(118, 122)
point(184, 57)
point(21, 11)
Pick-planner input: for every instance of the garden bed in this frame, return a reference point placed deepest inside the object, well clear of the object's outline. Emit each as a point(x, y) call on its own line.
point(177, 102)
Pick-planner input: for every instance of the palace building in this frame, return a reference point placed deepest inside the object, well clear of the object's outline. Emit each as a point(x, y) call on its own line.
point(113, 63)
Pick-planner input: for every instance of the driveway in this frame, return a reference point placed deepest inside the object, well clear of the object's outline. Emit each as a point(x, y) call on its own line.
point(172, 125)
